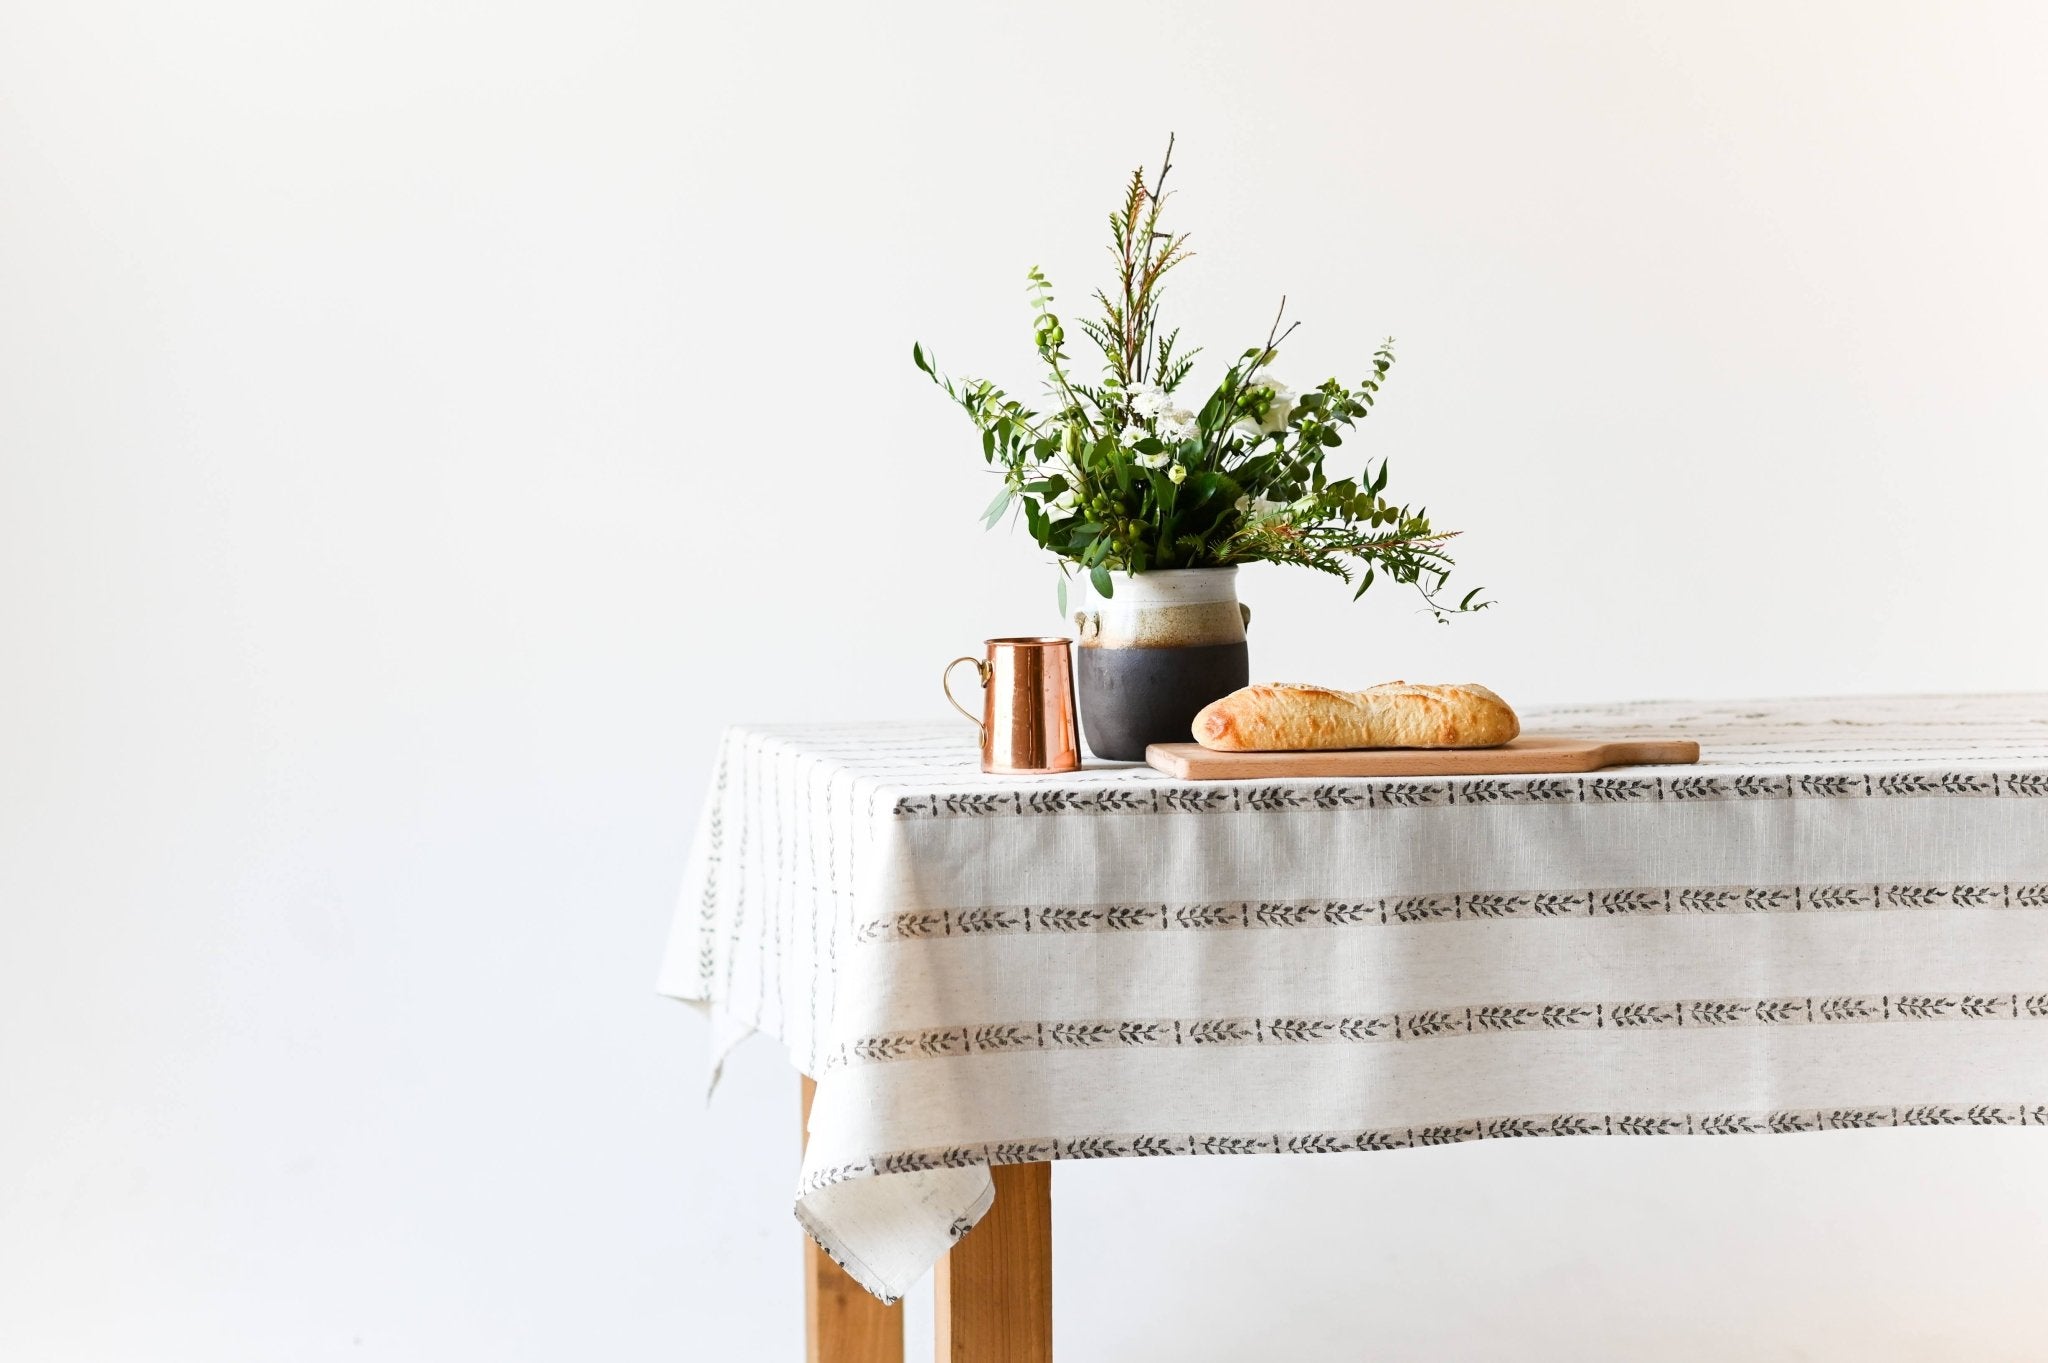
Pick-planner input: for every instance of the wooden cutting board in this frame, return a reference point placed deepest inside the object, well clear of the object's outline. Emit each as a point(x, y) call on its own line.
point(1530, 754)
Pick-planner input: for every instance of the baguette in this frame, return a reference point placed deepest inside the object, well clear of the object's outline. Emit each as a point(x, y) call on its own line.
point(1277, 717)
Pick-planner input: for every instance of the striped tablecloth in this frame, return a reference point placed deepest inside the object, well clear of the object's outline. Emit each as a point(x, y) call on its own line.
point(1838, 919)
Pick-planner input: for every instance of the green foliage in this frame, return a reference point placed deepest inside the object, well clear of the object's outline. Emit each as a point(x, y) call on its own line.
point(1120, 475)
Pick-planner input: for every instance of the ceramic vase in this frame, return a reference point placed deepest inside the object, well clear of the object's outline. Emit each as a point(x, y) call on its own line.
point(1152, 655)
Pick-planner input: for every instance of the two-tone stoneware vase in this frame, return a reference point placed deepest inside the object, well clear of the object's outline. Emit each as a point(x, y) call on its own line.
point(1166, 644)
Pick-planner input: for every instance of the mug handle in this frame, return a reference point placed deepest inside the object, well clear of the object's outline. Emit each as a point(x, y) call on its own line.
point(946, 685)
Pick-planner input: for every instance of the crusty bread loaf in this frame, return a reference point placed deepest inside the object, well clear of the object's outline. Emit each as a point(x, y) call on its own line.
point(1276, 717)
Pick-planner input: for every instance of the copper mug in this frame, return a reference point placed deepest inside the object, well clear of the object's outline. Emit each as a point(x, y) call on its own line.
point(1027, 706)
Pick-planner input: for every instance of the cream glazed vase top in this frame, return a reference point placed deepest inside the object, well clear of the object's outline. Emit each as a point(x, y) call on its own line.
point(1151, 656)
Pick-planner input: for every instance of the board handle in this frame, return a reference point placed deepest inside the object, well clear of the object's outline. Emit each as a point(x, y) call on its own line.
point(1650, 752)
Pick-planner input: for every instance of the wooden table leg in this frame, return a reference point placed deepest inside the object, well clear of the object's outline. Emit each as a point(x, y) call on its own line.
point(843, 1323)
point(995, 1287)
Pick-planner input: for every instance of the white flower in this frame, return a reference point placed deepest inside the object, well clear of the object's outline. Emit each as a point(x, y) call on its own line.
point(1153, 461)
point(1259, 508)
point(1278, 407)
point(1149, 400)
point(1176, 474)
point(1178, 424)
point(1249, 430)
point(1132, 434)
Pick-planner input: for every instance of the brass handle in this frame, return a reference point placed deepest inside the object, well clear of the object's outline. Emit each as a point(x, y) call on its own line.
point(981, 670)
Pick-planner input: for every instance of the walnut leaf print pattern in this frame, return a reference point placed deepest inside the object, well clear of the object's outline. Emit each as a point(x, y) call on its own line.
point(1427, 1024)
point(1475, 907)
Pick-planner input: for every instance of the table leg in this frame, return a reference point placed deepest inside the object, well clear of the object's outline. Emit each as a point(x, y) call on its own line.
point(995, 1286)
point(843, 1323)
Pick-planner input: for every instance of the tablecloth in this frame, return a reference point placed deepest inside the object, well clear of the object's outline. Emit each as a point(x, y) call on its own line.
point(1838, 919)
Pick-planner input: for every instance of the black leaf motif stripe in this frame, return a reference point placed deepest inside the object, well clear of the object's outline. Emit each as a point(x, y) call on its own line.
point(1434, 908)
point(707, 902)
point(1425, 1023)
point(1125, 1145)
point(1145, 797)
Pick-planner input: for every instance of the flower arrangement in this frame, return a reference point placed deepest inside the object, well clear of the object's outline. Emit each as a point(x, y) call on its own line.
point(1127, 474)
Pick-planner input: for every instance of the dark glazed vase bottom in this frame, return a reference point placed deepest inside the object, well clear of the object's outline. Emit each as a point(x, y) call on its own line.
point(1131, 697)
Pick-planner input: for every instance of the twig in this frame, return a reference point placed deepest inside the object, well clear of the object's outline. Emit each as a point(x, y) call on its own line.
point(1273, 340)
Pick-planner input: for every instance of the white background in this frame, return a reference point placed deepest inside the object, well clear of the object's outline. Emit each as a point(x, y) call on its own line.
point(424, 425)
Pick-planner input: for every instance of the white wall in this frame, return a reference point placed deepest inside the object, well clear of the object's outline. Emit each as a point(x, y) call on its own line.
point(424, 425)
